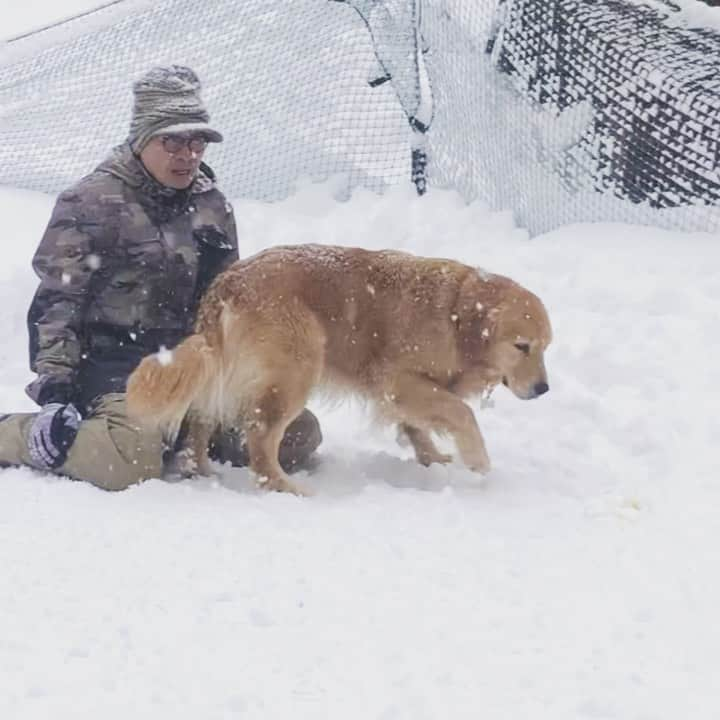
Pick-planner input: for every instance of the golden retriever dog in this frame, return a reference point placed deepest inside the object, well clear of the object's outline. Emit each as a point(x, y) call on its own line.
point(413, 335)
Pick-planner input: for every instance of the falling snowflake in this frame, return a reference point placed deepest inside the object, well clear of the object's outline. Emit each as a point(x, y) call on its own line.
point(164, 356)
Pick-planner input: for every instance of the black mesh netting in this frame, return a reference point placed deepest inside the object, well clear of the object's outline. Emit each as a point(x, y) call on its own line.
point(560, 110)
point(653, 91)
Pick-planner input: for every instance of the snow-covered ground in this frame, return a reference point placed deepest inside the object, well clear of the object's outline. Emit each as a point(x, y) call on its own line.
point(579, 580)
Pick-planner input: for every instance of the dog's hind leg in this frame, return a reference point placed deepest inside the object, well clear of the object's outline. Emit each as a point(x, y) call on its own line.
point(198, 440)
point(425, 451)
point(419, 402)
point(272, 413)
point(282, 391)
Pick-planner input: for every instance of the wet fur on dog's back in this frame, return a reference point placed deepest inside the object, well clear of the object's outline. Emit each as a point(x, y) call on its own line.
point(414, 335)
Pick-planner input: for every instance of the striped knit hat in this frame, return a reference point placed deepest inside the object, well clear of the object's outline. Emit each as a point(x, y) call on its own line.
point(167, 100)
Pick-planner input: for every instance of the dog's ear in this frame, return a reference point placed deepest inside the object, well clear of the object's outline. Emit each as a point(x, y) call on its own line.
point(476, 314)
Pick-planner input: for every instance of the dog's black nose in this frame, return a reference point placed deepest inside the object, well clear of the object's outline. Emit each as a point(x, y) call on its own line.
point(540, 388)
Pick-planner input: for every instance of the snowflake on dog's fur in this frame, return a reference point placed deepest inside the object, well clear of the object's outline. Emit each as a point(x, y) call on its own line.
point(164, 356)
point(486, 400)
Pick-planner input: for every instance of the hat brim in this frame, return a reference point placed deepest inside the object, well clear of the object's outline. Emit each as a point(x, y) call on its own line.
point(211, 134)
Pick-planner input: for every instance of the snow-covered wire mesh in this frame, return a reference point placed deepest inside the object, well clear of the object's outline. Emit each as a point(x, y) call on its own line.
point(576, 110)
point(290, 84)
point(561, 110)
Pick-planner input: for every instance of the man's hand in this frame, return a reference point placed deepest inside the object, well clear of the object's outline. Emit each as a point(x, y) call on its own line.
point(51, 435)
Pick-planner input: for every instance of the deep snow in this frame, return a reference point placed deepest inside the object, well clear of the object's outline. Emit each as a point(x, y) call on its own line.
point(579, 580)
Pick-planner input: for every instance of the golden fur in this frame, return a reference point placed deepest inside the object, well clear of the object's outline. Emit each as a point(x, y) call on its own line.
point(414, 335)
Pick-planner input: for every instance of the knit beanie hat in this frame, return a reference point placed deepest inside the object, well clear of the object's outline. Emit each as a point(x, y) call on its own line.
point(167, 100)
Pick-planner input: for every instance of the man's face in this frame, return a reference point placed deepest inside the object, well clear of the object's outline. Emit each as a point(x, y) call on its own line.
point(173, 160)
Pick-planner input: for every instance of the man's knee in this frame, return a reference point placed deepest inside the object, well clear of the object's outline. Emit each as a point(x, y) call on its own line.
point(302, 438)
point(111, 452)
point(110, 467)
point(125, 476)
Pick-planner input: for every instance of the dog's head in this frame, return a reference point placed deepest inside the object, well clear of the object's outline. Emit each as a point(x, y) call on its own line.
point(510, 334)
point(522, 334)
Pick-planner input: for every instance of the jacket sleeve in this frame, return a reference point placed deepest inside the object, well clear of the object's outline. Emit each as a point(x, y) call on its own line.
point(218, 247)
point(64, 262)
point(231, 230)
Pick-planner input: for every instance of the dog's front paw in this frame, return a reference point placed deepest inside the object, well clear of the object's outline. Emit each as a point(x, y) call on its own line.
point(479, 462)
point(429, 458)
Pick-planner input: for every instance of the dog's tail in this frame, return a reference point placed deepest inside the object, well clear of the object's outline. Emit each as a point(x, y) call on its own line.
point(165, 385)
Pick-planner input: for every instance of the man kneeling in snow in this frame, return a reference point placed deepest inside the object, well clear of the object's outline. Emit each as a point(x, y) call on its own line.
point(127, 254)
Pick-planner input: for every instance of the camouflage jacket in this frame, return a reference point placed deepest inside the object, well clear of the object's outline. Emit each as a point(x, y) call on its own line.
point(122, 266)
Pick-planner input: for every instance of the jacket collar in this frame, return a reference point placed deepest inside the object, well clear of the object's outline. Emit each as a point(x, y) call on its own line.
point(161, 201)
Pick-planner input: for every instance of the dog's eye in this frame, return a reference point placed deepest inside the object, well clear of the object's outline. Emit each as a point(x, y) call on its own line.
point(523, 348)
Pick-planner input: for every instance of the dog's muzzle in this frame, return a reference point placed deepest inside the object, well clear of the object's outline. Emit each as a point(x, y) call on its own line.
point(536, 390)
point(540, 389)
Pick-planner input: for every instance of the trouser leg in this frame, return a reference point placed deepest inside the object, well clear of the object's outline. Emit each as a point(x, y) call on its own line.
point(302, 437)
point(109, 451)
point(13, 443)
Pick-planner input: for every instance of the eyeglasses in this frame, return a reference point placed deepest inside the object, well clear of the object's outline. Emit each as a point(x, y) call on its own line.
point(173, 144)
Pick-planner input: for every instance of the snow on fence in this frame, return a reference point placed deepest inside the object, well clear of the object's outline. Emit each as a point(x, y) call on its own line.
point(561, 110)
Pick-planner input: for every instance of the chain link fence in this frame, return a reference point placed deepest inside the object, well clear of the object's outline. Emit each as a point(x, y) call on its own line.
point(560, 110)
point(288, 83)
